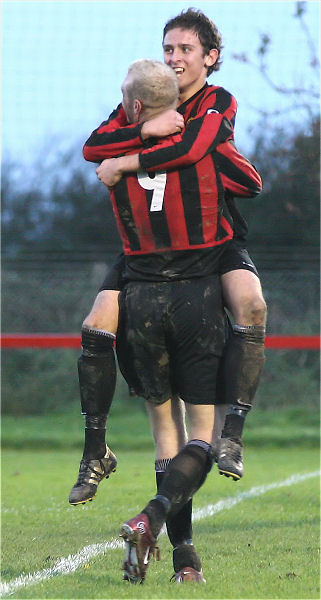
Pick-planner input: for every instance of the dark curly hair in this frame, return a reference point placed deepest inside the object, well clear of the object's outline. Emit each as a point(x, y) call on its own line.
point(208, 34)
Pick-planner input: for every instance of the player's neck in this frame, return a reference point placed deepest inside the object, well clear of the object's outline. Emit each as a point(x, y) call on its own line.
point(186, 94)
point(149, 113)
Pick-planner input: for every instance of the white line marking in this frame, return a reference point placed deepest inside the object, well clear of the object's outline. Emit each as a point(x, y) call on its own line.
point(71, 563)
point(212, 509)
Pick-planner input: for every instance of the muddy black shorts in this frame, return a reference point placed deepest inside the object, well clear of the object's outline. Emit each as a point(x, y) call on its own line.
point(235, 257)
point(170, 338)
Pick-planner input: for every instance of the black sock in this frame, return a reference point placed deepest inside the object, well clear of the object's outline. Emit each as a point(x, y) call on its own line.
point(185, 556)
point(186, 473)
point(244, 361)
point(95, 436)
point(157, 510)
point(234, 423)
point(97, 380)
point(179, 527)
point(241, 366)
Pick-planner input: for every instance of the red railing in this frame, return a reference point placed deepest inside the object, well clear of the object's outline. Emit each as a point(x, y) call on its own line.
point(71, 340)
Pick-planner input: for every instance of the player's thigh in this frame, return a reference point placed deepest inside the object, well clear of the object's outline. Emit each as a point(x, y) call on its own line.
point(105, 312)
point(243, 296)
point(200, 421)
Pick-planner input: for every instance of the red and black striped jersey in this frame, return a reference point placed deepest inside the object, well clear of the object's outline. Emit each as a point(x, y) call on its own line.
point(172, 224)
point(114, 137)
point(238, 176)
point(209, 116)
point(175, 210)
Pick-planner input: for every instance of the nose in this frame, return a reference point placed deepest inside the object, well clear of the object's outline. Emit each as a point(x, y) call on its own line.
point(176, 55)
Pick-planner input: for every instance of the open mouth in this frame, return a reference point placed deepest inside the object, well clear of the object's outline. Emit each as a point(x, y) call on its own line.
point(178, 70)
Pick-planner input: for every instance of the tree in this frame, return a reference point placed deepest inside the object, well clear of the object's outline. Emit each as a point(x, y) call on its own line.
point(287, 212)
point(73, 214)
point(300, 97)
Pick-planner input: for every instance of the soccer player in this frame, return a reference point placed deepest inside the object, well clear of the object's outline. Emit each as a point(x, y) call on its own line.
point(172, 322)
point(192, 47)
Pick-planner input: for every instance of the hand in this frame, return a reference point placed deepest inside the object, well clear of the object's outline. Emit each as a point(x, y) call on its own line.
point(109, 172)
point(168, 122)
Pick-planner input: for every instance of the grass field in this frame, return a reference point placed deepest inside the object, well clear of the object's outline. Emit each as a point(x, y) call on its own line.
point(258, 538)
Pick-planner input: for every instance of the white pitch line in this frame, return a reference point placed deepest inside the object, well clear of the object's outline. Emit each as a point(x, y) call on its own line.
point(212, 509)
point(71, 563)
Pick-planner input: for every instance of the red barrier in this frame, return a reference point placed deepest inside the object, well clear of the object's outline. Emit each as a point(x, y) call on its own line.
point(65, 340)
point(293, 342)
point(40, 340)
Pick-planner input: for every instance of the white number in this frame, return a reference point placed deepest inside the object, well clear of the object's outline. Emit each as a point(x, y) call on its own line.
point(157, 184)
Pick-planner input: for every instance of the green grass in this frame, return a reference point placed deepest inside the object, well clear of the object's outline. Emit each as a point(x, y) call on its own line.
point(264, 547)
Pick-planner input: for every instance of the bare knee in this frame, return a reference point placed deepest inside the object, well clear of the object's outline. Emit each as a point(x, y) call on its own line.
point(104, 313)
point(252, 311)
point(243, 297)
point(95, 321)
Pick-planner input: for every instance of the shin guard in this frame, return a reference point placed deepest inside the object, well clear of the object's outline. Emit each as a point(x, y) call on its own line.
point(185, 474)
point(97, 381)
point(97, 372)
point(243, 362)
point(179, 528)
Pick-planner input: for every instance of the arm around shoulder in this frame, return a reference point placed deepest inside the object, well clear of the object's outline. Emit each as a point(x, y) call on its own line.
point(113, 138)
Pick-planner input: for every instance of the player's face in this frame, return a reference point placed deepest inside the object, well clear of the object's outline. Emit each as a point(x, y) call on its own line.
point(184, 53)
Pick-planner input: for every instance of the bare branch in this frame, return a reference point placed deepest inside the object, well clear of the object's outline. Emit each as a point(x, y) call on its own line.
point(262, 69)
point(285, 111)
point(304, 97)
point(300, 12)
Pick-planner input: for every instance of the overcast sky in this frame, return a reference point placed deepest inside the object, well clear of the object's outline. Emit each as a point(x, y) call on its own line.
point(63, 62)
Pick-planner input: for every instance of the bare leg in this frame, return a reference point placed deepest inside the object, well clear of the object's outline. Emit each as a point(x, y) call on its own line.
point(243, 296)
point(168, 428)
point(104, 313)
point(201, 421)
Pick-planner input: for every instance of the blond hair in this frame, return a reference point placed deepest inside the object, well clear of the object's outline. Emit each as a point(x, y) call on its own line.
point(153, 83)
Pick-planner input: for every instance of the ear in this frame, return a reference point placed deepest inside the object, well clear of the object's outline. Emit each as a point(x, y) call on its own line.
point(137, 108)
point(211, 58)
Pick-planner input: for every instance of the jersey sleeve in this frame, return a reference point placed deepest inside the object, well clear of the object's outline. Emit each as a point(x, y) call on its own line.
point(113, 138)
point(217, 100)
point(238, 175)
point(212, 124)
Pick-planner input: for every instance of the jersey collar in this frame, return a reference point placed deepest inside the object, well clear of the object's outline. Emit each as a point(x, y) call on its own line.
point(181, 108)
